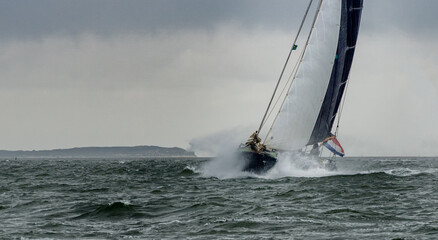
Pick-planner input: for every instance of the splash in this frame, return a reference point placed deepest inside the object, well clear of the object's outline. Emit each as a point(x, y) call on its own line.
point(295, 165)
point(288, 165)
point(224, 166)
point(217, 143)
point(223, 145)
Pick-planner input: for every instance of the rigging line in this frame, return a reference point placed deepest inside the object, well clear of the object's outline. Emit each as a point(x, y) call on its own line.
point(287, 92)
point(299, 61)
point(285, 64)
point(286, 86)
point(342, 107)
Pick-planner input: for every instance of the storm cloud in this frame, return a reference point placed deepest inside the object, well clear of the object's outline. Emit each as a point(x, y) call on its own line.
point(76, 73)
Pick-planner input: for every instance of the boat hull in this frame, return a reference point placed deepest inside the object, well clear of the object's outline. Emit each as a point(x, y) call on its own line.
point(257, 162)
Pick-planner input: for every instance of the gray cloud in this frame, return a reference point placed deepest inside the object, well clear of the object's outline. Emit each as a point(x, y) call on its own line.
point(392, 97)
point(36, 19)
point(26, 18)
point(161, 89)
point(79, 73)
point(408, 16)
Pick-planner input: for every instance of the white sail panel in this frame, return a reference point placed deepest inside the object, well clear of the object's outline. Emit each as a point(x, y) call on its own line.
point(297, 117)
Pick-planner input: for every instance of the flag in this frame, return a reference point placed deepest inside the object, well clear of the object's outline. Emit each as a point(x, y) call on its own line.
point(332, 144)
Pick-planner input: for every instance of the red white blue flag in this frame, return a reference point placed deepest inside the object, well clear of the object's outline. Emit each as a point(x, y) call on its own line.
point(332, 144)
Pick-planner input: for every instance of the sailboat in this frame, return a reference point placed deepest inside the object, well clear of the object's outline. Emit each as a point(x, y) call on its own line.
point(312, 98)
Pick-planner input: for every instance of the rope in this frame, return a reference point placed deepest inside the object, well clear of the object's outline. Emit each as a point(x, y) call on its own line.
point(301, 58)
point(340, 113)
point(341, 108)
point(286, 86)
point(285, 64)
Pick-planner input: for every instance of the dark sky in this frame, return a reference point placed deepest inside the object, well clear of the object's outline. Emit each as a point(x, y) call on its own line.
point(36, 19)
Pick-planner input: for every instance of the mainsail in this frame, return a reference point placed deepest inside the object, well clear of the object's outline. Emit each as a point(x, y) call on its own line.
point(310, 107)
point(351, 13)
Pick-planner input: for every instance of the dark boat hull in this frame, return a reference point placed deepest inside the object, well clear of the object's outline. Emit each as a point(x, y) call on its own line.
point(261, 162)
point(257, 162)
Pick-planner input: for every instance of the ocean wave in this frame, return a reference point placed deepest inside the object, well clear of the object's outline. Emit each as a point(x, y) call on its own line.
point(405, 172)
point(342, 210)
point(189, 171)
point(115, 209)
point(89, 200)
point(396, 172)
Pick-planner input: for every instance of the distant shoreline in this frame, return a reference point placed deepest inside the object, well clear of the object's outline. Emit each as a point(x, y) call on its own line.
point(100, 152)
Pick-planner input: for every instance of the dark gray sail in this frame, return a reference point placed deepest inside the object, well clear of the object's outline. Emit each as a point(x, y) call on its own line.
point(349, 29)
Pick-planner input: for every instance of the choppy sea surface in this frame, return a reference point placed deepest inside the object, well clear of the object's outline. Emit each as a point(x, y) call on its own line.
point(198, 198)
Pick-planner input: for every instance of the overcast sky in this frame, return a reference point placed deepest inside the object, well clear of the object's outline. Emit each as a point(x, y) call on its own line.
point(181, 72)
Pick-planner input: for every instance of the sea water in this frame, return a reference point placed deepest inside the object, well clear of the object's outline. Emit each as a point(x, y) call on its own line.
point(199, 198)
